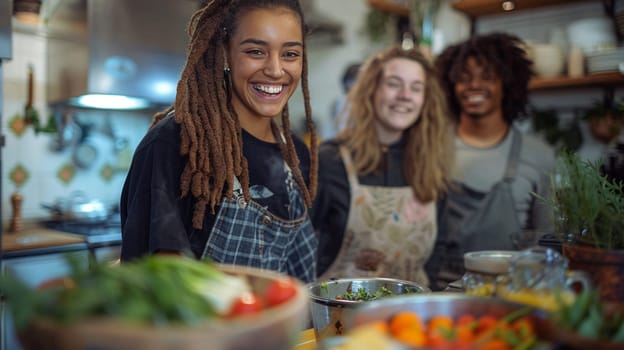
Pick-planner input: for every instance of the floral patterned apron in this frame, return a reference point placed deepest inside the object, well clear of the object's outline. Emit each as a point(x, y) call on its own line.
point(389, 233)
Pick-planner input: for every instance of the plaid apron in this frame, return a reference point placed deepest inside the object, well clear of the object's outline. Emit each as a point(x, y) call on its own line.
point(245, 233)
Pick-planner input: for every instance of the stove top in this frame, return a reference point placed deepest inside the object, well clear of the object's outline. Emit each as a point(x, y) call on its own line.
point(94, 231)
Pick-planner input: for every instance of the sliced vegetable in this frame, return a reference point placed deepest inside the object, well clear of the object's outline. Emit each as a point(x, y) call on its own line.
point(246, 304)
point(279, 291)
point(512, 331)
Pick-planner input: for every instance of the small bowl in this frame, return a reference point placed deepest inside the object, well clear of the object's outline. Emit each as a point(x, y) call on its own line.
point(329, 313)
point(493, 262)
point(548, 60)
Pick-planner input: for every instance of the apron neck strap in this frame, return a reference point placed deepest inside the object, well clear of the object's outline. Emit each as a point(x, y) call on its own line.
point(514, 154)
point(348, 163)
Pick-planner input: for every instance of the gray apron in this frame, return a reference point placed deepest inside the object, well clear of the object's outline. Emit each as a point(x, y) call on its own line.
point(478, 220)
point(245, 233)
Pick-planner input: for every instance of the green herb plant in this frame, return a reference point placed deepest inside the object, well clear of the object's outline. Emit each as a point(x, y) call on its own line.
point(588, 206)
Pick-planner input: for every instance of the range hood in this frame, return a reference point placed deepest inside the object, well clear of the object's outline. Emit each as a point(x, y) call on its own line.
point(128, 55)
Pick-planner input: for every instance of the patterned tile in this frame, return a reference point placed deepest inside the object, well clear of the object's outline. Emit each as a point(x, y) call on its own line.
point(107, 172)
point(66, 173)
point(17, 125)
point(19, 175)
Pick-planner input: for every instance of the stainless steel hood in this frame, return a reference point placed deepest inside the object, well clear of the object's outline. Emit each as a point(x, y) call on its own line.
point(128, 49)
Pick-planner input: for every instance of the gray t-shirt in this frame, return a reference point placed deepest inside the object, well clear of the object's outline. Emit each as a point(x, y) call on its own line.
point(481, 168)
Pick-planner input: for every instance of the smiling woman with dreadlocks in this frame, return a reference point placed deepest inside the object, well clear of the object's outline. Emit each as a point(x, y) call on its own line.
point(216, 177)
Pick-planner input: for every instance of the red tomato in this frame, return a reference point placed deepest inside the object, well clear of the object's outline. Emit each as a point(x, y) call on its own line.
point(279, 291)
point(247, 304)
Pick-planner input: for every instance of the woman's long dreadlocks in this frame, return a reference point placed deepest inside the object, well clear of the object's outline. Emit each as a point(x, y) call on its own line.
point(209, 127)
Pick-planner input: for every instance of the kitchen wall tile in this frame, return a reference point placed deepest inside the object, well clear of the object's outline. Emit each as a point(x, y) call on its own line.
point(37, 152)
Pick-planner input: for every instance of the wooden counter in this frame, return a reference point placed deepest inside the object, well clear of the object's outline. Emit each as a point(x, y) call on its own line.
point(307, 340)
point(37, 237)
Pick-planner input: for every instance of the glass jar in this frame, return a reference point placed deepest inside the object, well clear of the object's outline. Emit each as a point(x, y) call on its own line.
point(485, 270)
point(539, 277)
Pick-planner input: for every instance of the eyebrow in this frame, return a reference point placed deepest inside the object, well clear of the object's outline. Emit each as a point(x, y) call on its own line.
point(264, 43)
point(398, 77)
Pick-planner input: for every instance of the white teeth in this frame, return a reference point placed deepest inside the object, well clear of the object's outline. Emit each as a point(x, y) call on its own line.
point(476, 98)
point(269, 89)
point(401, 109)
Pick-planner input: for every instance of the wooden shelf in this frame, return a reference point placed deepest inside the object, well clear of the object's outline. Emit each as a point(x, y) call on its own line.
point(602, 79)
point(389, 6)
point(475, 8)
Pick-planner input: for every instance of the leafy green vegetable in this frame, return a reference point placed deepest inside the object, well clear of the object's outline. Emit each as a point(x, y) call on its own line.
point(361, 294)
point(587, 316)
point(155, 289)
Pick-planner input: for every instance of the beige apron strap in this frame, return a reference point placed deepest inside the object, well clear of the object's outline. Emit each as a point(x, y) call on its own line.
point(348, 163)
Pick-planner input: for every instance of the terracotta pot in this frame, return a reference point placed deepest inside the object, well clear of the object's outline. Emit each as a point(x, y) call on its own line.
point(606, 268)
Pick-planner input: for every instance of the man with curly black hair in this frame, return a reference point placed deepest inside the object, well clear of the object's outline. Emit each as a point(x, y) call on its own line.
point(498, 167)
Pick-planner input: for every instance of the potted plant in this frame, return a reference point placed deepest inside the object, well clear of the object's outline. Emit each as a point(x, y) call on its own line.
point(589, 212)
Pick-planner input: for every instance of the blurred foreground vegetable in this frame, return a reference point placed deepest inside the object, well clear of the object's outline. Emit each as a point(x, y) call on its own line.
point(589, 317)
point(156, 289)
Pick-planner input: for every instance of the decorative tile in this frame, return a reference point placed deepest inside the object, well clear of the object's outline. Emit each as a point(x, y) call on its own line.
point(66, 173)
point(107, 172)
point(19, 175)
point(17, 125)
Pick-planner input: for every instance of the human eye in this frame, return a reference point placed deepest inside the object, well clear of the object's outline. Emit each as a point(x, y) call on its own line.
point(489, 76)
point(419, 87)
point(393, 83)
point(254, 52)
point(291, 55)
point(464, 78)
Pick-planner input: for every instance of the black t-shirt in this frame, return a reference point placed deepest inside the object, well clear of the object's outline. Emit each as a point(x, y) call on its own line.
point(153, 215)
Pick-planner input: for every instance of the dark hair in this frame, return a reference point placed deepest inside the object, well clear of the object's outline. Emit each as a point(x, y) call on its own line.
point(349, 76)
point(500, 52)
point(209, 127)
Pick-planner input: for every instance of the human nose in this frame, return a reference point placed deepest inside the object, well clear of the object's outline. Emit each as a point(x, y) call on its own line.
point(274, 67)
point(405, 93)
point(475, 81)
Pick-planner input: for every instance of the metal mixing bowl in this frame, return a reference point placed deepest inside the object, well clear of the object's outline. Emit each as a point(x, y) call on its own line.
point(329, 313)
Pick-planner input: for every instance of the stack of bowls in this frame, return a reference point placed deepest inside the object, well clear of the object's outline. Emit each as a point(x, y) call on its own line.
point(592, 34)
point(607, 60)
